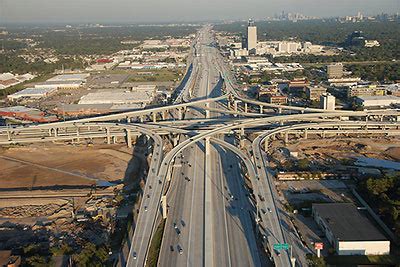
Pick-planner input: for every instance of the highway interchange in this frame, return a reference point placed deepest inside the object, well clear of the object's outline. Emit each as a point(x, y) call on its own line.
point(212, 219)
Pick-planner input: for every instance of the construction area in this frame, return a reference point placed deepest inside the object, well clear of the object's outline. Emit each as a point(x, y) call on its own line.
point(55, 196)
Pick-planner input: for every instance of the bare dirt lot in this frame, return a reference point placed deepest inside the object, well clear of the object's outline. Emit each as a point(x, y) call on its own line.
point(52, 165)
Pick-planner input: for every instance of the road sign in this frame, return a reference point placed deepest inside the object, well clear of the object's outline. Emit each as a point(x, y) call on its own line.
point(281, 246)
point(319, 245)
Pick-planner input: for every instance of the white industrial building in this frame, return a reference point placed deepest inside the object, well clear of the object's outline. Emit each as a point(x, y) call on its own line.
point(377, 101)
point(119, 97)
point(349, 231)
point(32, 93)
point(327, 101)
point(69, 77)
point(60, 84)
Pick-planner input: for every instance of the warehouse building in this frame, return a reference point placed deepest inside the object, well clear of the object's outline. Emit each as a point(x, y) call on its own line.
point(349, 231)
point(32, 93)
point(118, 97)
point(377, 101)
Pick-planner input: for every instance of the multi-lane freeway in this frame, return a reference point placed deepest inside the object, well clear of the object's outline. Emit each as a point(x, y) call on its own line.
point(212, 217)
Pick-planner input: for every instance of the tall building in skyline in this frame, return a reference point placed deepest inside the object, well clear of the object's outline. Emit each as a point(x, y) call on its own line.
point(251, 37)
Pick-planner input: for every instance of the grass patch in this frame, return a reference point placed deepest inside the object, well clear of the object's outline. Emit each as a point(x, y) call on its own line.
point(385, 260)
point(155, 245)
point(164, 75)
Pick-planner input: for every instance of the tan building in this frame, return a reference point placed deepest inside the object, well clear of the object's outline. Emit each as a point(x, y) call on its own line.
point(366, 91)
point(276, 99)
point(315, 92)
point(251, 37)
point(327, 101)
point(335, 71)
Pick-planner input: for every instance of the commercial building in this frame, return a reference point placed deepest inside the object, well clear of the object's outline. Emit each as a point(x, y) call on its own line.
point(335, 71)
point(276, 99)
point(26, 114)
point(315, 92)
point(32, 93)
point(289, 47)
point(298, 84)
point(377, 101)
point(327, 101)
point(343, 82)
point(349, 231)
point(70, 77)
point(119, 97)
point(368, 90)
point(60, 84)
point(251, 37)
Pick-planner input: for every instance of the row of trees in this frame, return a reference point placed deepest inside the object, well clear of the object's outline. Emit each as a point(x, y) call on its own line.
point(384, 195)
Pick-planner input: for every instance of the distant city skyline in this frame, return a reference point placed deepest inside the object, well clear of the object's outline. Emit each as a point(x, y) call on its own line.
point(134, 11)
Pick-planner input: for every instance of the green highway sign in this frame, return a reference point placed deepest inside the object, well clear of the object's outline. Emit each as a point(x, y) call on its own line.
point(281, 246)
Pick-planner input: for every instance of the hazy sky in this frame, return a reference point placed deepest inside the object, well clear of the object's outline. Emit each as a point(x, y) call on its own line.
point(103, 11)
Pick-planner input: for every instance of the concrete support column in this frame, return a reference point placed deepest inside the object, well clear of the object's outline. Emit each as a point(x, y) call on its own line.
point(305, 133)
point(154, 117)
point(164, 115)
point(245, 107)
point(280, 110)
point(50, 132)
point(179, 113)
point(175, 140)
point(286, 137)
point(164, 206)
point(108, 135)
point(141, 118)
point(77, 134)
point(8, 134)
point(229, 105)
point(266, 145)
point(55, 132)
point(241, 142)
point(381, 118)
point(207, 111)
point(261, 109)
point(323, 134)
point(366, 118)
point(128, 138)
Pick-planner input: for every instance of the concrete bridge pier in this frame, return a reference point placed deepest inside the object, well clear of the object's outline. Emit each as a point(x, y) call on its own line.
point(141, 119)
point(245, 107)
point(55, 132)
point(78, 139)
point(266, 145)
point(108, 135)
point(8, 134)
point(279, 110)
point(179, 113)
point(164, 115)
point(207, 111)
point(229, 105)
point(128, 138)
point(286, 137)
point(164, 206)
point(175, 140)
point(154, 115)
point(305, 133)
point(261, 109)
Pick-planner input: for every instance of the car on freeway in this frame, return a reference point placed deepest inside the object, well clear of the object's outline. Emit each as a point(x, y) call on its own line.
point(269, 210)
point(134, 255)
point(145, 208)
point(180, 249)
point(171, 248)
point(183, 223)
